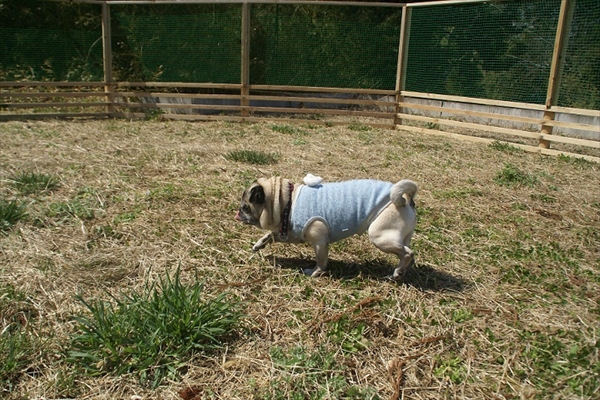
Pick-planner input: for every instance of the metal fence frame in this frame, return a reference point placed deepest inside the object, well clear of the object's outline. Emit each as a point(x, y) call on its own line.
point(427, 113)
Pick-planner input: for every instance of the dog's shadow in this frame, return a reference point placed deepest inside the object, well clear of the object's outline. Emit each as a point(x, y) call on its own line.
point(420, 275)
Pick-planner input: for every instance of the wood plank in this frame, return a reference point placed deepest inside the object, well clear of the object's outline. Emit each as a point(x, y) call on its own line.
point(532, 149)
point(178, 95)
point(575, 111)
point(245, 67)
point(54, 105)
point(469, 125)
point(571, 140)
point(328, 100)
point(267, 119)
point(572, 125)
point(51, 84)
point(472, 113)
point(21, 95)
point(316, 89)
point(181, 106)
point(226, 86)
point(107, 56)
point(504, 117)
point(507, 131)
point(11, 117)
point(326, 111)
point(284, 110)
point(473, 100)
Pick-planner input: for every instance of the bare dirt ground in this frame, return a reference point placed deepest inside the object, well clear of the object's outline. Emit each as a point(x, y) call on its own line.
point(503, 302)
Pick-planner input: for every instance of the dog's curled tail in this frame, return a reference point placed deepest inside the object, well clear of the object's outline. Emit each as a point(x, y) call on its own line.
point(404, 187)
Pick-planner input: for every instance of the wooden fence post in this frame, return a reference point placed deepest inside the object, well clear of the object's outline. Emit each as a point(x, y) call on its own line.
point(402, 60)
point(245, 62)
point(558, 60)
point(107, 58)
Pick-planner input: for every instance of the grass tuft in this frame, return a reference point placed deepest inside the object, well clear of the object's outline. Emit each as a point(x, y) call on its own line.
point(312, 375)
point(512, 176)
point(153, 333)
point(11, 212)
point(32, 182)
point(252, 157)
point(505, 147)
point(17, 348)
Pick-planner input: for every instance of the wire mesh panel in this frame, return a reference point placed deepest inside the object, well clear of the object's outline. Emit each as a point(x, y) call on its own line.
point(42, 41)
point(177, 43)
point(580, 79)
point(324, 46)
point(495, 50)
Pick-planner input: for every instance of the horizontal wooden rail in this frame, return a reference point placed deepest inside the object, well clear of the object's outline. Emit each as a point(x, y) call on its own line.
point(316, 89)
point(54, 105)
point(52, 84)
point(274, 98)
point(24, 95)
point(501, 116)
point(74, 115)
point(175, 85)
point(285, 110)
point(473, 100)
point(532, 149)
point(496, 129)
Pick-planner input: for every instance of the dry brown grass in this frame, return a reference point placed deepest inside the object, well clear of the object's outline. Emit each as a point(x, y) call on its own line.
point(506, 283)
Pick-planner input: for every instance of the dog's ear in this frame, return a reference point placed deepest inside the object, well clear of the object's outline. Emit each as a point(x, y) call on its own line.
point(257, 195)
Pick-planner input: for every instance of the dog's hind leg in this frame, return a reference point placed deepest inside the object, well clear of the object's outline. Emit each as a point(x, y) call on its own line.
point(388, 241)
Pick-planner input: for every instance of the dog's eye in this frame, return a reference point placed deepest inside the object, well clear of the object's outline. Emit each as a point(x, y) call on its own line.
point(246, 208)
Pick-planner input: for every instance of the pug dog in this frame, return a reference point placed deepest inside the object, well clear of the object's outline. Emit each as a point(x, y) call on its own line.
point(322, 213)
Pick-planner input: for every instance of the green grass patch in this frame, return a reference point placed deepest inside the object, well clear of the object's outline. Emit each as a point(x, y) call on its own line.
point(17, 346)
point(451, 367)
point(11, 212)
point(252, 157)
point(561, 360)
point(505, 147)
point(75, 208)
point(152, 333)
point(33, 182)
point(304, 374)
point(288, 129)
point(512, 176)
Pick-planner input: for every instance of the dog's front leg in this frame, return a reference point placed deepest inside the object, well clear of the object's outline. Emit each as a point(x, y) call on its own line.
point(263, 241)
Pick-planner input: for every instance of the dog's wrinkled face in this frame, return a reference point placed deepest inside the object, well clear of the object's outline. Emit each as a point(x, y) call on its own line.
point(253, 201)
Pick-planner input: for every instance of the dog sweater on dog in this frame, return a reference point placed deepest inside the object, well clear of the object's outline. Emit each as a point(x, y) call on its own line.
point(346, 207)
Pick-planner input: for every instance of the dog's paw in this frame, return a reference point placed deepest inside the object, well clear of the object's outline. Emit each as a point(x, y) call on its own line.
point(314, 272)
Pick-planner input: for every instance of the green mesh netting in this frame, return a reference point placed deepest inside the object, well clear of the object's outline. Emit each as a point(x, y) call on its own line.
point(496, 50)
point(580, 79)
point(177, 43)
point(42, 41)
point(325, 46)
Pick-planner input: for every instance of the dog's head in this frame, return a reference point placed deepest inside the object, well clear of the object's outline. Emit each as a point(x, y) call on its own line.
point(263, 202)
point(253, 204)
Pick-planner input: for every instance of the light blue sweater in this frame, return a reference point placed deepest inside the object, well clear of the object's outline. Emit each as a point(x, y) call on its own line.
point(346, 207)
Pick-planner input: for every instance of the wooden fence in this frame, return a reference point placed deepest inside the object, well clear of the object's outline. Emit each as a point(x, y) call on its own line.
point(532, 127)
